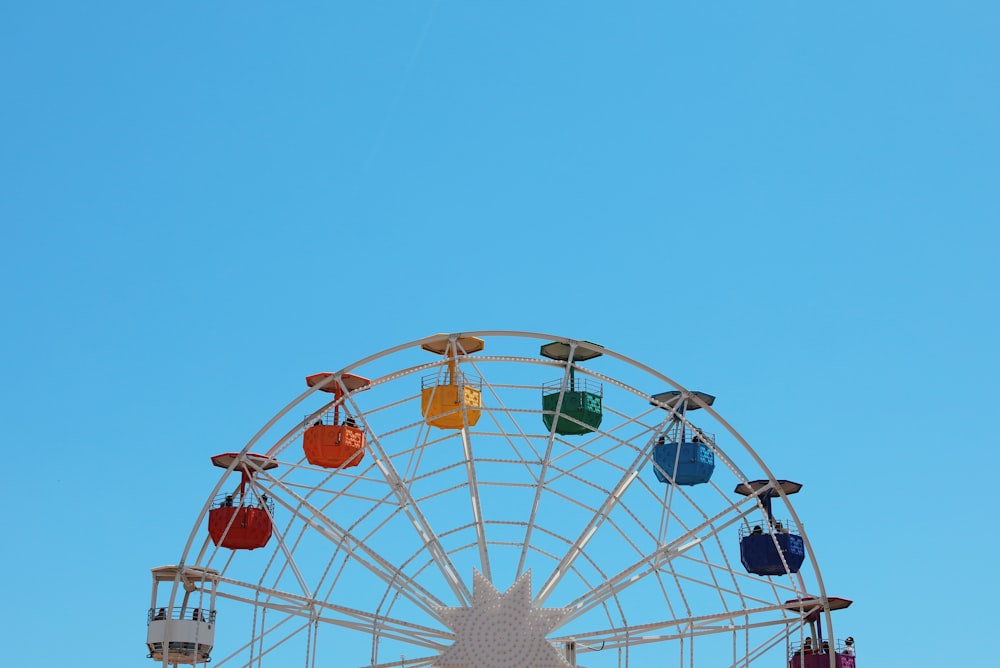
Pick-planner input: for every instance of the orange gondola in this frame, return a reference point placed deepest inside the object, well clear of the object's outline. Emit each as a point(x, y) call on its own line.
point(330, 442)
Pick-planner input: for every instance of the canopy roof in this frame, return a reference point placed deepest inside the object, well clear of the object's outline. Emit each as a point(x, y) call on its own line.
point(351, 382)
point(465, 345)
point(225, 460)
point(813, 607)
point(754, 486)
point(558, 350)
point(673, 397)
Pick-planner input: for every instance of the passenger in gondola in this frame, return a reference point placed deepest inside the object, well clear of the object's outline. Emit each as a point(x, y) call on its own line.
point(263, 500)
point(228, 503)
point(349, 421)
point(807, 646)
point(161, 614)
point(849, 646)
point(757, 530)
point(826, 647)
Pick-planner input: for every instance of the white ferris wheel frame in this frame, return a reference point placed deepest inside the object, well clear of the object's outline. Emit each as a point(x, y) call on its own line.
point(402, 581)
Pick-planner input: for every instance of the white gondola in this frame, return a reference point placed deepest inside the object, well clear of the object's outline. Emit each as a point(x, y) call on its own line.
point(181, 626)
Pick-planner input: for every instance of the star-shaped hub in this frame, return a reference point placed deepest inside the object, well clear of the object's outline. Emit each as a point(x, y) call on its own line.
point(501, 630)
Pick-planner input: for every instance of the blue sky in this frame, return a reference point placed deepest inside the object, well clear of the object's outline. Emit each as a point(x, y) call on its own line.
point(790, 205)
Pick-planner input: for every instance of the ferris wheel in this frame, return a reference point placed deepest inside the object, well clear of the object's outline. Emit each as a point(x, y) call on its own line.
point(496, 499)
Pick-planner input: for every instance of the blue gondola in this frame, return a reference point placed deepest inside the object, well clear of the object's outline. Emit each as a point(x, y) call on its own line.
point(683, 456)
point(772, 547)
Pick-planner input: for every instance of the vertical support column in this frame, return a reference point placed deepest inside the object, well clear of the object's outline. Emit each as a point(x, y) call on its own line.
point(570, 648)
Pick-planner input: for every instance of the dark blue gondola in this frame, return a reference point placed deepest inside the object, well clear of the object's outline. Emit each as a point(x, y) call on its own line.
point(682, 456)
point(770, 548)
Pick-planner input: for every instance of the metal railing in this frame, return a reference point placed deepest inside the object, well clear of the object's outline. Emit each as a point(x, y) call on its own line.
point(327, 420)
point(182, 612)
point(578, 384)
point(807, 647)
point(459, 378)
point(246, 501)
point(780, 526)
point(673, 435)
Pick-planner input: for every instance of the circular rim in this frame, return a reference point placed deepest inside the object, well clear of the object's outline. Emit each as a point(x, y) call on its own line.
point(283, 450)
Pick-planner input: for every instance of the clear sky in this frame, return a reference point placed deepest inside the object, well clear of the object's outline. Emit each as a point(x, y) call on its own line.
point(792, 205)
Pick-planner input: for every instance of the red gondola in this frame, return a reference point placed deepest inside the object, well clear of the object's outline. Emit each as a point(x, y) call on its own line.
point(242, 520)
